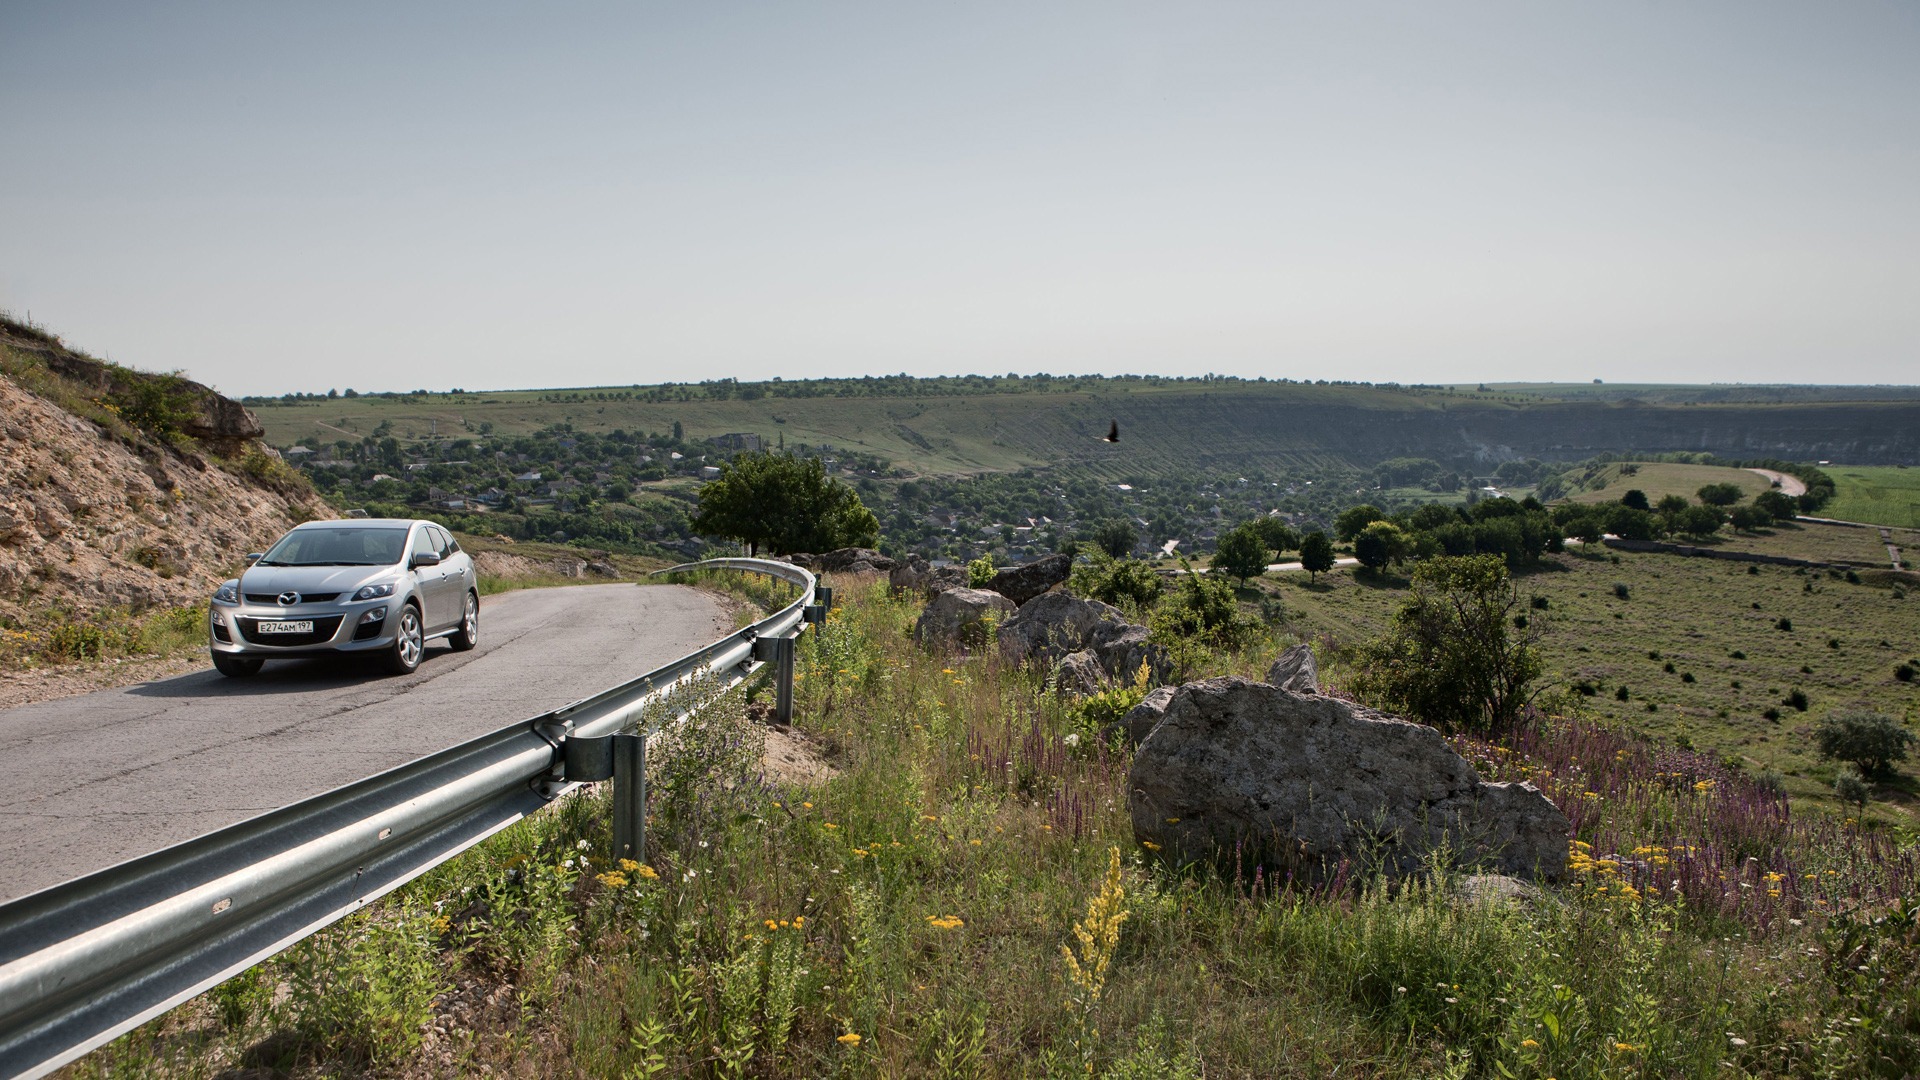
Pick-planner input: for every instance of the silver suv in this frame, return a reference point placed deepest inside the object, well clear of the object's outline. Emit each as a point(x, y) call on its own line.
point(380, 586)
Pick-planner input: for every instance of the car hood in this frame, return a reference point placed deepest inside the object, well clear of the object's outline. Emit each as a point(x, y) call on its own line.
point(311, 579)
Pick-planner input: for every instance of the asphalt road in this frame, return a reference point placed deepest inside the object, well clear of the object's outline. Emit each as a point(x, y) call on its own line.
point(95, 780)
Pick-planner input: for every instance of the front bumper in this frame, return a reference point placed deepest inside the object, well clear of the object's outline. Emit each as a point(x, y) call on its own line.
point(233, 629)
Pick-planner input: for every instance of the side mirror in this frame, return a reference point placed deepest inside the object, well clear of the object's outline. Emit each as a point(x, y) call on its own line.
point(429, 558)
point(255, 556)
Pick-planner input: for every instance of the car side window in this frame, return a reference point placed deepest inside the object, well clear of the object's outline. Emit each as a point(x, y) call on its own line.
point(423, 542)
point(442, 542)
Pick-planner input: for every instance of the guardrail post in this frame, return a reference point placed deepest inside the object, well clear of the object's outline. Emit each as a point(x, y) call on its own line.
point(630, 797)
point(783, 679)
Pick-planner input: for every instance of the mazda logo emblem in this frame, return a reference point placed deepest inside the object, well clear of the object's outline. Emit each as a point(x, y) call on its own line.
point(288, 599)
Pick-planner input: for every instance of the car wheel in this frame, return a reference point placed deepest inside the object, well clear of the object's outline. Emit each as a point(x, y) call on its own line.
point(469, 633)
point(409, 643)
point(236, 667)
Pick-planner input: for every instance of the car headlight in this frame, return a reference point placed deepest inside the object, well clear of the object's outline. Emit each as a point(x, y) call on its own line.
point(228, 593)
point(374, 592)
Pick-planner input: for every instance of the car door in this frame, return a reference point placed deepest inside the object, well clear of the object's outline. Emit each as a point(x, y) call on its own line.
point(432, 593)
point(452, 583)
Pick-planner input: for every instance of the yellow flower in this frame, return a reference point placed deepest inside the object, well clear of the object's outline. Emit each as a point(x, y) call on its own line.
point(831, 825)
point(975, 843)
point(945, 922)
point(1150, 845)
point(629, 866)
point(612, 879)
point(648, 872)
point(946, 671)
point(1529, 1044)
point(806, 806)
point(849, 1039)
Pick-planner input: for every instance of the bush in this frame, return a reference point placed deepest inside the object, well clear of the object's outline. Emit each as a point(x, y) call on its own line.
point(1125, 583)
point(1622, 590)
point(1784, 624)
point(1850, 787)
point(1623, 694)
point(1201, 608)
point(1772, 714)
point(980, 572)
point(1903, 672)
point(76, 641)
point(1797, 700)
point(1870, 741)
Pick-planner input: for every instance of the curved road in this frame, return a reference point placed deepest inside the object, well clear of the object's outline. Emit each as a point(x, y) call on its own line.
point(95, 780)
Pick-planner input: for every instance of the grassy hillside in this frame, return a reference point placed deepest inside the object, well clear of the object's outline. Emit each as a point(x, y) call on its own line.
point(948, 427)
point(1883, 496)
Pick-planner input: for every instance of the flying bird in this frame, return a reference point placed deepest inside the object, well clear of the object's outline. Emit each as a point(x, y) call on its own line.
point(1113, 432)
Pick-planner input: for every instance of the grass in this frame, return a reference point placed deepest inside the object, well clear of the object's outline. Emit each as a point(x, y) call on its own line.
point(965, 899)
point(1881, 496)
point(1659, 479)
point(1806, 540)
point(1695, 615)
point(57, 635)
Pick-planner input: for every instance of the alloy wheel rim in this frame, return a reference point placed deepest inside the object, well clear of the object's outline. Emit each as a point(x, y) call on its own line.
point(409, 638)
point(471, 624)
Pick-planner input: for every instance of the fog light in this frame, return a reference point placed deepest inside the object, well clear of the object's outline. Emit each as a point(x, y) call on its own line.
point(219, 617)
point(373, 616)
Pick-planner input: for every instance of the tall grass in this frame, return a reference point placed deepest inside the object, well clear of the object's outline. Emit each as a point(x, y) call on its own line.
point(908, 917)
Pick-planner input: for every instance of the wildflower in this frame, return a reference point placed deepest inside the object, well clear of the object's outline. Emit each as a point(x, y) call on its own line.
point(849, 1039)
point(975, 843)
point(1150, 845)
point(946, 671)
point(928, 817)
point(831, 825)
point(806, 806)
point(628, 866)
point(581, 846)
point(646, 871)
point(1173, 821)
point(612, 879)
point(770, 924)
point(945, 922)
point(441, 924)
point(1622, 1048)
point(1529, 1044)
point(1071, 739)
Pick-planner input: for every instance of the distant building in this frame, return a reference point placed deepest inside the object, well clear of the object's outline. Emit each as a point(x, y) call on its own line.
point(709, 472)
point(739, 440)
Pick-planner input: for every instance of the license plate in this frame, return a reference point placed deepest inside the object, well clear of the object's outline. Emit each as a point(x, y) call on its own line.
point(305, 627)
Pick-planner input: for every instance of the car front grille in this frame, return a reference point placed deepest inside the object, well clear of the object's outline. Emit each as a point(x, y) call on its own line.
point(305, 598)
point(323, 630)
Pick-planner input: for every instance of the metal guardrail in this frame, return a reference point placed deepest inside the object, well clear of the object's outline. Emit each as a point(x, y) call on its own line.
point(87, 960)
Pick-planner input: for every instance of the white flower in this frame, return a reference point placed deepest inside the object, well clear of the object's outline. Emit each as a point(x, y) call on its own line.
point(689, 875)
point(1072, 738)
point(581, 846)
point(568, 864)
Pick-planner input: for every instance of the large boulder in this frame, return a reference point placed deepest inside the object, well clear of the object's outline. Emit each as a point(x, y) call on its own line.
point(1028, 580)
point(1079, 673)
point(1295, 671)
point(915, 574)
point(1054, 624)
point(959, 616)
point(1300, 783)
point(1142, 718)
point(852, 561)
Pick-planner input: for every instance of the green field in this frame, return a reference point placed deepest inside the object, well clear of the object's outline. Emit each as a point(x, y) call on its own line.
point(1880, 495)
point(1695, 613)
point(1659, 479)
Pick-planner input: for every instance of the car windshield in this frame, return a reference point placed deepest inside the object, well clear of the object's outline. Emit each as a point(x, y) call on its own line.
point(338, 546)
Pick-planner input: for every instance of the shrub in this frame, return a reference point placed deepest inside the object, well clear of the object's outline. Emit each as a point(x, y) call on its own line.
point(980, 572)
point(1850, 787)
point(1127, 583)
point(1833, 643)
point(76, 641)
point(1622, 590)
point(1686, 676)
point(1540, 603)
point(1201, 608)
point(367, 985)
point(1797, 700)
point(1903, 672)
point(1870, 741)
point(1772, 714)
point(1668, 667)
point(1622, 694)
point(1738, 654)
point(1784, 624)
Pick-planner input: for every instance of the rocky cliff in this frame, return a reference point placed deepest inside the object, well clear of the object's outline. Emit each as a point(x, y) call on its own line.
point(124, 489)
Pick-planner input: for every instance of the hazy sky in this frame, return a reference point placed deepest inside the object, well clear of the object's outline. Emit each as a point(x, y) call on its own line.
point(280, 196)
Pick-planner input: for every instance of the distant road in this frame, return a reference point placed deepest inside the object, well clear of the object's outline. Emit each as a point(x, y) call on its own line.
point(95, 780)
point(1789, 483)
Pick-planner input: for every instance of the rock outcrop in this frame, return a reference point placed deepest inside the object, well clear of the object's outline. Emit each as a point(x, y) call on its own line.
point(1028, 580)
point(1055, 624)
point(1300, 783)
point(959, 616)
point(915, 574)
point(1079, 673)
point(845, 561)
point(1142, 718)
point(1295, 671)
point(93, 516)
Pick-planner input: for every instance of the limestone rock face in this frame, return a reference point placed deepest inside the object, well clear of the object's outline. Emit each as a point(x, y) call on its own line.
point(958, 617)
point(1295, 671)
point(1054, 624)
point(1022, 583)
point(1298, 783)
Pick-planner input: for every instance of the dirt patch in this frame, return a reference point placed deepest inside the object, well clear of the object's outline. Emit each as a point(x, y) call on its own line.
point(790, 757)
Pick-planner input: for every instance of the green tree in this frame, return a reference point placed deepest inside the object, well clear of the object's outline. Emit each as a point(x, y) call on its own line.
point(1454, 656)
point(1241, 552)
point(1277, 534)
point(784, 504)
point(1778, 505)
point(1316, 554)
point(1719, 494)
point(1354, 518)
point(1116, 537)
point(1870, 740)
point(1636, 499)
point(1699, 520)
point(1380, 543)
point(1125, 583)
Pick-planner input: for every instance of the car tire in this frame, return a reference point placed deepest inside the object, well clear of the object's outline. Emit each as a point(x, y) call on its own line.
point(236, 667)
point(469, 633)
point(409, 642)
